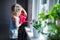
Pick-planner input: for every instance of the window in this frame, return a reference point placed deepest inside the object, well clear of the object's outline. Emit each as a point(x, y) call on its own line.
point(59, 1)
point(44, 1)
point(55, 1)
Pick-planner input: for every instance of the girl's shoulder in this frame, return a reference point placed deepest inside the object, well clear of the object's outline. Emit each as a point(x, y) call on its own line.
point(16, 18)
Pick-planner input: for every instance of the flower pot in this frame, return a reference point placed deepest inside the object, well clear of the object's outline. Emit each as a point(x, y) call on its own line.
point(35, 33)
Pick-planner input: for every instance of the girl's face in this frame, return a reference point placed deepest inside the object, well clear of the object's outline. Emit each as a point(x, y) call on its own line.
point(17, 9)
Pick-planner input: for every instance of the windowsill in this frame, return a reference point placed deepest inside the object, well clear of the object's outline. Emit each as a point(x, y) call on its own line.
point(29, 32)
point(31, 36)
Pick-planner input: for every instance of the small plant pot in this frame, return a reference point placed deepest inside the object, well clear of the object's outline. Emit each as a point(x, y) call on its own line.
point(35, 33)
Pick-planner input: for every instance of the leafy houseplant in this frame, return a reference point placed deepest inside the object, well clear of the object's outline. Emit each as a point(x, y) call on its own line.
point(36, 27)
point(36, 24)
point(53, 14)
point(55, 29)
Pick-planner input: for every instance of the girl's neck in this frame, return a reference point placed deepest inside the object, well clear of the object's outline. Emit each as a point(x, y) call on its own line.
point(15, 14)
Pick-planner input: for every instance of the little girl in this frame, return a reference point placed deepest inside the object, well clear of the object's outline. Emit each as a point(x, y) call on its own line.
point(15, 22)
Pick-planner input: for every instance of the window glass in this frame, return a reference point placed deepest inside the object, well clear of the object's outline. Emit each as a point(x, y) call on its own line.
point(59, 1)
point(55, 1)
point(44, 1)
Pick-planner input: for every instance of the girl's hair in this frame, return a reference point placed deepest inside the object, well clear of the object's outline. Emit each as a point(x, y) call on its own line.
point(12, 8)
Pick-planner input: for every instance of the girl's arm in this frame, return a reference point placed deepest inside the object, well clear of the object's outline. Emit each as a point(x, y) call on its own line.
point(22, 9)
point(17, 22)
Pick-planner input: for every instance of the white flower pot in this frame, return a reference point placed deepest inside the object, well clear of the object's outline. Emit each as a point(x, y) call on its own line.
point(35, 33)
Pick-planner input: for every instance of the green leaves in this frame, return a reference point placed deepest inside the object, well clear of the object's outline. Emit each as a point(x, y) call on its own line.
point(43, 16)
point(36, 24)
point(55, 12)
point(52, 28)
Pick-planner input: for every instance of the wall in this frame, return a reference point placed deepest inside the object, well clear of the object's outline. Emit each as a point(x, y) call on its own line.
point(23, 3)
point(5, 13)
point(51, 3)
point(30, 10)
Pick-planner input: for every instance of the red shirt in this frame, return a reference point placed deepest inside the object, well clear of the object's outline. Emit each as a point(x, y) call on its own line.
point(23, 17)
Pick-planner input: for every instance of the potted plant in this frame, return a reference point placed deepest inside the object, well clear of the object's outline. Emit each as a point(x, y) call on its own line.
point(55, 27)
point(53, 15)
point(36, 27)
point(44, 19)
